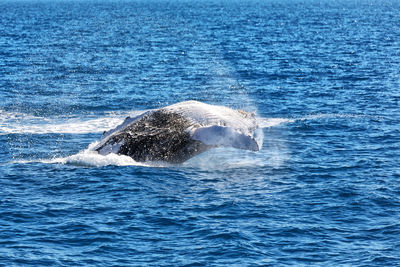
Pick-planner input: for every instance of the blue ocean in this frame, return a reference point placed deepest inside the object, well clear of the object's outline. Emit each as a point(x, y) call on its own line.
point(322, 77)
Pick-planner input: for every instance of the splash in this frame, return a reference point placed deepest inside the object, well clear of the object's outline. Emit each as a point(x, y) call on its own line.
point(93, 159)
point(88, 158)
point(223, 158)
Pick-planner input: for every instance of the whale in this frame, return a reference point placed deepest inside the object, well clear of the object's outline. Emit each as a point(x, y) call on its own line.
point(178, 132)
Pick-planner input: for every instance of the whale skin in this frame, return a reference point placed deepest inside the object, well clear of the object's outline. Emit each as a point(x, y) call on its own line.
point(181, 131)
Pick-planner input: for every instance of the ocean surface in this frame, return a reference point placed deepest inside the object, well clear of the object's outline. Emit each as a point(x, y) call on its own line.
point(322, 76)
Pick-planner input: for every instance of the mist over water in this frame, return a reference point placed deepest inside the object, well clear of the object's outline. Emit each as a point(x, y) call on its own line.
point(322, 78)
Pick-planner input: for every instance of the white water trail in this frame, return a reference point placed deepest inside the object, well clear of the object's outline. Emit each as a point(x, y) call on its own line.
point(272, 122)
point(19, 123)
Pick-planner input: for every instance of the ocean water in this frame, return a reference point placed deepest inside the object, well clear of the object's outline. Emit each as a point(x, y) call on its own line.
point(322, 77)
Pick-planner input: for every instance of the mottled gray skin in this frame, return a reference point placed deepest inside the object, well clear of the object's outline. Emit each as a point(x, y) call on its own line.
point(157, 136)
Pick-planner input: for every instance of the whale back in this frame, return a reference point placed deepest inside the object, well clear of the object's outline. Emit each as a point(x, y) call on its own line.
point(203, 115)
point(178, 132)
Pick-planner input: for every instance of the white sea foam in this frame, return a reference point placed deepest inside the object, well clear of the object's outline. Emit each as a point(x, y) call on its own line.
point(93, 159)
point(330, 116)
point(89, 158)
point(19, 123)
point(272, 122)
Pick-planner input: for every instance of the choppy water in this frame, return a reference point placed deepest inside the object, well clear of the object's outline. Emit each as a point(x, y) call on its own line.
point(322, 76)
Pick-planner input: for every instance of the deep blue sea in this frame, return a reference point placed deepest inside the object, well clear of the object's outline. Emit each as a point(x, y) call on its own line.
point(322, 76)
